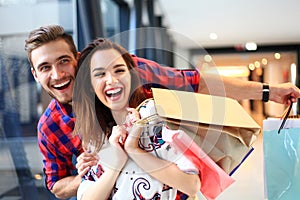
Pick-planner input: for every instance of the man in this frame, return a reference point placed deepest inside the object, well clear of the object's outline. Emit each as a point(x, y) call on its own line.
point(53, 57)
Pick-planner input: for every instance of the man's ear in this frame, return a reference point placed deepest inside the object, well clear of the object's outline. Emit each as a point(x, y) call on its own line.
point(78, 55)
point(34, 74)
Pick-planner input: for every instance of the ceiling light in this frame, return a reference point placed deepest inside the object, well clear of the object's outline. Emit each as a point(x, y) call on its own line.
point(251, 66)
point(213, 36)
point(38, 177)
point(257, 64)
point(207, 58)
point(264, 61)
point(251, 46)
point(277, 56)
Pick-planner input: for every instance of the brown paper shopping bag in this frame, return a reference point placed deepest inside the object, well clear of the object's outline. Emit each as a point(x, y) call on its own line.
point(219, 125)
point(214, 180)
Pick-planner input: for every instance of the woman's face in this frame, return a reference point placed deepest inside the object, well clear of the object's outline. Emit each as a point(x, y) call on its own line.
point(110, 78)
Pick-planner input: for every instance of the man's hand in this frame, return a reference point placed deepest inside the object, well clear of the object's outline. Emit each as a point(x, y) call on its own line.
point(85, 161)
point(284, 93)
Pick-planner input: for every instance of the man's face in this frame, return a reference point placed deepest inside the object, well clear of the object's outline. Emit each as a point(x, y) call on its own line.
point(54, 67)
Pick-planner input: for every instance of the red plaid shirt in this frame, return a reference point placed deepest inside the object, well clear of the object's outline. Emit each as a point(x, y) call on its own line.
point(55, 128)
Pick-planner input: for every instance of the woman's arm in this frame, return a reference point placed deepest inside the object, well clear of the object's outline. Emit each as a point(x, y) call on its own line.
point(114, 158)
point(101, 189)
point(162, 170)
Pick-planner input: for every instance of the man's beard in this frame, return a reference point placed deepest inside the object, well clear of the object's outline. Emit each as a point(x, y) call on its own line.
point(68, 101)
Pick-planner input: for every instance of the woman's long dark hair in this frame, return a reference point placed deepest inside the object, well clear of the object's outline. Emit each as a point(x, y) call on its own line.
point(94, 121)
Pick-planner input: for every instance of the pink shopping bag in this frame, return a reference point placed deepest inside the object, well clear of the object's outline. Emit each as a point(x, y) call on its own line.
point(214, 180)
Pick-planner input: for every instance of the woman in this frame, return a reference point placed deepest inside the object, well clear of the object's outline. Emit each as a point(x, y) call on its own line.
point(134, 162)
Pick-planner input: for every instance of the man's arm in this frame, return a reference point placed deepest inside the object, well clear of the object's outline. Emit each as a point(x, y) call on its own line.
point(58, 156)
point(153, 74)
point(192, 80)
point(58, 171)
point(240, 89)
point(66, 187)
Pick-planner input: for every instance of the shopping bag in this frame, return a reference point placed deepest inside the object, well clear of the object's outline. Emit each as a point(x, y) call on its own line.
point(214, 180)
point(282, 158)
point(220, 126)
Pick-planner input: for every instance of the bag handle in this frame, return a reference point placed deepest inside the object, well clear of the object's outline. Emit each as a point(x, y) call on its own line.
point(285, 116)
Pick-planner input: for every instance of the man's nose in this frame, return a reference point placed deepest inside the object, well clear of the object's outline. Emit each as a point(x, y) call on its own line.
point(56, 73)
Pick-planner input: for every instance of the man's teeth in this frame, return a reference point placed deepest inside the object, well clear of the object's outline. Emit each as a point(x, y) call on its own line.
point(114, 91)
point(61, 84)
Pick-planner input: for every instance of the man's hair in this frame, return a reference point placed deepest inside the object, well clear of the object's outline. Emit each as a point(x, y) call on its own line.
point(45, 34)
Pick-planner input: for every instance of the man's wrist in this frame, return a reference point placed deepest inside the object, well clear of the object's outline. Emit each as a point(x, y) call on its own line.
point(265, 92)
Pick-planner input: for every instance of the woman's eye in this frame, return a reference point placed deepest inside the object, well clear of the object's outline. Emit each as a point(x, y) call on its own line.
point(120, 70)
point(99, 74)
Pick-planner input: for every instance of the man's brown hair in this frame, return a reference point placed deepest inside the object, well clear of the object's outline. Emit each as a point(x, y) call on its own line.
point(45, 34)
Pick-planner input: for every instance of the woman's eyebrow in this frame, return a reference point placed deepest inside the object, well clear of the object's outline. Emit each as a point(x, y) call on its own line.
point(103, 68)
point(119, 65)
point(98, 69)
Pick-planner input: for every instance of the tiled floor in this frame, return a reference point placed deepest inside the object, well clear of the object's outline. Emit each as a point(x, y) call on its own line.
point(249, 184)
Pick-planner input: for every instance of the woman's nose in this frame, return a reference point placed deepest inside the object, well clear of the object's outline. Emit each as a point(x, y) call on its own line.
point(111, 79)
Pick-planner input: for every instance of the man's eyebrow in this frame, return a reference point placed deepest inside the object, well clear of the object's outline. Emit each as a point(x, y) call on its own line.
point(41, 64)
point(57, 59)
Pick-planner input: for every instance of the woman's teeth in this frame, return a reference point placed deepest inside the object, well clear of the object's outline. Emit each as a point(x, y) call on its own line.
point(113, 92)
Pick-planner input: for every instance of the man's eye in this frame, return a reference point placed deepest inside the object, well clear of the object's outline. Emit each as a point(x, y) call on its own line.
point(44, 68)
point(64, 61)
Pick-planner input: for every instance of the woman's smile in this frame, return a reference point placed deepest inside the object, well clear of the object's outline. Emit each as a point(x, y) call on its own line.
point(114, 94)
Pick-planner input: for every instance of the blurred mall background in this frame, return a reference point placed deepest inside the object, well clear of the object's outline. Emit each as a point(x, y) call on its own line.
point(250, 40)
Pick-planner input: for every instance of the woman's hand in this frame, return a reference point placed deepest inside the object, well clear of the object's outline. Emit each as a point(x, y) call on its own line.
point(132, 117)
point(134, 132)
point(117, 155)
point(118, 136)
